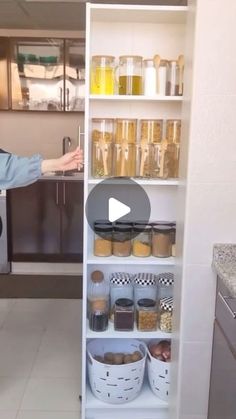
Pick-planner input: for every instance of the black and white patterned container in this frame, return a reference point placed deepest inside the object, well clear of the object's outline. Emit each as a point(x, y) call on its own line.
point(121, 286)
point(165, 284)
point(145, 286)
point(166, 311)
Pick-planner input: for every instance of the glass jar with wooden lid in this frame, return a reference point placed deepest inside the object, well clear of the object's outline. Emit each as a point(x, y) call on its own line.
point(151, 130)
point(173, 130)
point(103, 240)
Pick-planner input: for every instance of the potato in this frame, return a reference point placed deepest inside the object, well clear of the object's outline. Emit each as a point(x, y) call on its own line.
point(136, 356)
point(128, 359)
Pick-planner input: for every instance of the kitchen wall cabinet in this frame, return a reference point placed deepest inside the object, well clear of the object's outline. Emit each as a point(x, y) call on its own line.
point(129, 30)
point(46, 222)
point(47, 74)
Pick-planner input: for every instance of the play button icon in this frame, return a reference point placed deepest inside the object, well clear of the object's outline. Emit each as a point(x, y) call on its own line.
point(117, 200)
point(117, 210)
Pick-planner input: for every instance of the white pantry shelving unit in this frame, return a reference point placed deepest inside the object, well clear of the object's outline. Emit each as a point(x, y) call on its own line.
point(129, 30)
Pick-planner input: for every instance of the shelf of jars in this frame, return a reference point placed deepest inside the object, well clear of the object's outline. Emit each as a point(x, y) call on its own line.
point(134, 334)
point(145, 398)
point(133, 98)
point(130, 260)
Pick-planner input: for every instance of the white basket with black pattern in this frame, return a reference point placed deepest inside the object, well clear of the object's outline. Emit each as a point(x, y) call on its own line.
point(115, 384)
point(159, 376)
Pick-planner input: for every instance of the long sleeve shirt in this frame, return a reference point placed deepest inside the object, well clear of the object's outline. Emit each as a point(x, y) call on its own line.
point(18, 171)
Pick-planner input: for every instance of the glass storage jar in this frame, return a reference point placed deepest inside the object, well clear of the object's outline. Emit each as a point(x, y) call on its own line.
point(166, 312)
point(130, 75)
point(173, 130)
point(142, 242)
point(161, 241)
point(162, 72)
point(157, 161)
point(165, 284)
point(125, 130)
point(149, 77)
point(151, 130)
point(102, 147)
point(124, 160)
point(98, 301)
point(145, 286)
point(144, 160)
point(103, 240)
point(120, 287)
point(122, 240)
point(102, 75)
point(173, 78)
point(171, 161)
point(124, 315)
point(146, 315)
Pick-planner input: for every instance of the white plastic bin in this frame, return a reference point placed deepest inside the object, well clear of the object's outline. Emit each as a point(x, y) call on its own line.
point(159, 376)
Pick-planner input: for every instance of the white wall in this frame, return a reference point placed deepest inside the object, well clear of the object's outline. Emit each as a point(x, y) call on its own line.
point(210, 195)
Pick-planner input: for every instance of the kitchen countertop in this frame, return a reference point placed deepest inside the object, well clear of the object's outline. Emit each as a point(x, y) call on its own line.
point(224, 263)
point(66, 177)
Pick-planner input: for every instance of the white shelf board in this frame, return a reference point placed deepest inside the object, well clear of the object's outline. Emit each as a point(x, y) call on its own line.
point(137, 98)
point(144, 182)
point(130, 260)
point(146, 400)
point(138, 13)
point(135, 334)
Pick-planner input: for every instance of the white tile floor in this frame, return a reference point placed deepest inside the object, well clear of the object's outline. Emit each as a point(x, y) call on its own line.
point(40, 357)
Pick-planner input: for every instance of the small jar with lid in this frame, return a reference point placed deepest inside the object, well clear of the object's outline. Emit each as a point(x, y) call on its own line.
point(166, 314)
point(142, 242)
point(98, 302)
point(165, 284)
point(120, 287)
point(124, 315)
point(162, 74)
point(102, 147)
point(102, 240)
point(145, 286)
point(122, 240)
point(173, 78)
point(161, 241)
point(146, 315)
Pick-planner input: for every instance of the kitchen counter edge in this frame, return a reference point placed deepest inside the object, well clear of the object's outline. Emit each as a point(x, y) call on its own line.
point(224, 264)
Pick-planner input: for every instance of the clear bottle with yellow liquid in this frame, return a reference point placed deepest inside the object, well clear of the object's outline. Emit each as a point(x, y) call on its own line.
point(130, 75)
point(102, 75)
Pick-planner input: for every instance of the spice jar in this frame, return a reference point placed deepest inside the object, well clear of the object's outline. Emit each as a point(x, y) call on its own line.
point(122, 240)
point(151, 130)
point(145, 286)
point(130, 75)
point(165, 284)
point(173, 78)
point(124, 314)
point(166, 312)
point(120, 287)
point(103, 240)
point(161, 241)
point(102, 75)
point(98, 302)
point(173, 130)
point(149, 75)
point(146, 314)
point(102, 147)
point(162, 72)
point(142, 243)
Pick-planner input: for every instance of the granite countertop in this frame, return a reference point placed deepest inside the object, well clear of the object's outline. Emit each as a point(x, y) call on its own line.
point(224, 263)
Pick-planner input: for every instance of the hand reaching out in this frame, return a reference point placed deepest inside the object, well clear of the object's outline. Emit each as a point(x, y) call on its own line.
point(69, 161)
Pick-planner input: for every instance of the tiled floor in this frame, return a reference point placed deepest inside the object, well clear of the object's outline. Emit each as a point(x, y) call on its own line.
point(40, 357)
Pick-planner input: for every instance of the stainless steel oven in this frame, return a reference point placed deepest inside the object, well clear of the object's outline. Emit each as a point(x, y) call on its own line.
point(4, 263)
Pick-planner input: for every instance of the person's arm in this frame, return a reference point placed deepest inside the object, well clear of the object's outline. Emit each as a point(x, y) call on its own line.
point(18, 171)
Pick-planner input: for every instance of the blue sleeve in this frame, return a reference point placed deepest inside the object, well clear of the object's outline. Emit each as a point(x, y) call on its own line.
point(18, 171)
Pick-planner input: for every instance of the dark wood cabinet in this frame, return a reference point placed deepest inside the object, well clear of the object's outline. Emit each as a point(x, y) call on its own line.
point(46, 222)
